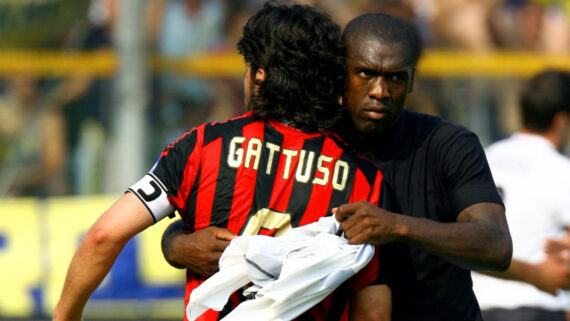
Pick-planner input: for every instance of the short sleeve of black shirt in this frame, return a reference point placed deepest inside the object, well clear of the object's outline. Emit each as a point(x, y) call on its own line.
point(462, 166)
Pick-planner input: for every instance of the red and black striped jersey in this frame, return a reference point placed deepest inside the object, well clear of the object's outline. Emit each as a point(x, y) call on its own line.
point(264, 177)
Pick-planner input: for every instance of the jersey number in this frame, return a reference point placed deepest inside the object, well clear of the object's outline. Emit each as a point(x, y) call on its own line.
point(268, 222)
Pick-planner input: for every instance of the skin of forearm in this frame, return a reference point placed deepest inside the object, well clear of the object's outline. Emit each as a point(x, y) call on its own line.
point(89, 266)
point(549, 275)
point(170, 249)
point(479, 239)
point(517, 271)
point(472, 245)
point(97, 253)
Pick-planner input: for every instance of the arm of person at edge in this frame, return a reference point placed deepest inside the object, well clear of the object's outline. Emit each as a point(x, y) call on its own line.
point(97, 253)
point(200, 252)
point(548, 275)
point(478, 240)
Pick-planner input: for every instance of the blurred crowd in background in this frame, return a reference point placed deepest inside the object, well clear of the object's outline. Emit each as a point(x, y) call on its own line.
point(55, 131)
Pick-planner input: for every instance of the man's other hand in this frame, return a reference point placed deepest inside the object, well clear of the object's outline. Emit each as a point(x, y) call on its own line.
point(199, 251)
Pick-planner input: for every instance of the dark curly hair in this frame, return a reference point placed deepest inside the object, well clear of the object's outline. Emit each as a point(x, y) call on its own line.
point(300, 50)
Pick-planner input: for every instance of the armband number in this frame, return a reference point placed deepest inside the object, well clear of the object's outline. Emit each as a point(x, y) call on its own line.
point(152, 193)
point(156, 193)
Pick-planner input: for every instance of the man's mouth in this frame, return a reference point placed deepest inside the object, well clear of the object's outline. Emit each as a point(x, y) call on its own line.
point(375, 112)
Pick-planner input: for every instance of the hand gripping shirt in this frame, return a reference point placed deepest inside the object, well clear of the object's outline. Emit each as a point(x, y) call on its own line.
point(290, 273)
point(257, 176)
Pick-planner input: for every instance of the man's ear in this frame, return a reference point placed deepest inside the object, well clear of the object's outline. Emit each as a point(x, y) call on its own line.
point(560, 121)
point(412, 74)
point(559, 128)
point(259, 76)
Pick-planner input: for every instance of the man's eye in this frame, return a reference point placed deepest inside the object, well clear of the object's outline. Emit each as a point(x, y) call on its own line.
point(365, 73)
point(399, 76)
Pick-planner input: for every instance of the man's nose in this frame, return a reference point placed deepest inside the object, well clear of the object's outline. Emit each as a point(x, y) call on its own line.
point(379, 88)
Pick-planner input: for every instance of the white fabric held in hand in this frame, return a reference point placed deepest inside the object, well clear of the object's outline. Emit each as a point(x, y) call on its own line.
point(290, 273)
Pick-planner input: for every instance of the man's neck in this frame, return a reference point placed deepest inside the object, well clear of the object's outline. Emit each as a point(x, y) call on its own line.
point(548, 135)
point(294, 124)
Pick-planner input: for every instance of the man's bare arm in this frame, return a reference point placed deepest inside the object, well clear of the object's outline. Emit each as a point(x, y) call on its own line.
point(97, 253)
point(373, 303)
point(548, 275)
point(478, 240)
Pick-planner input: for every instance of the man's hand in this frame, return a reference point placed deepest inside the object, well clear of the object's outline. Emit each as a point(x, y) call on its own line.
point(363, 222)
point(553, 273)
point(557, 265)
point(548, 275)
point(561, 246)
point(199, 251)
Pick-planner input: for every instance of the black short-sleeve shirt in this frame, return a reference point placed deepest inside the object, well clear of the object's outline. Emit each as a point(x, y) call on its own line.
point(434, 169)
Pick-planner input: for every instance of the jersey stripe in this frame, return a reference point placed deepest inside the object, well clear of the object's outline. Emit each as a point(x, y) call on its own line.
point(338, 304)
point(307, 316)
point(245, 179)
point(283, 185)
point(374, 196)
point(225, 182)
point(191, 166)
point(339, 197)
point(207, 186)
point(321, 195)
point(267, 169)
point(190, 217)
point(369, 172)
point(360, 187)
point(192, 282)
point(306, 191)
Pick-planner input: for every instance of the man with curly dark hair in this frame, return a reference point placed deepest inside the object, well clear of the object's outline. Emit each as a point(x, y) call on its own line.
point(263, 172)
